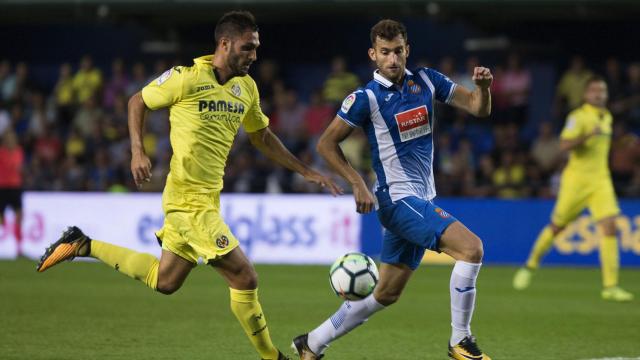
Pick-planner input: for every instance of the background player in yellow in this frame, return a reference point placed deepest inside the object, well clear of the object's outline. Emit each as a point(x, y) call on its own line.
point(586, 183)
point(208, 103)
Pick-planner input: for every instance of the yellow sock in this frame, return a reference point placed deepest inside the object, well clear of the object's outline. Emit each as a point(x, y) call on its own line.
point(609, 260)
point(540, 247)
point(140, 266)
point(247, 309)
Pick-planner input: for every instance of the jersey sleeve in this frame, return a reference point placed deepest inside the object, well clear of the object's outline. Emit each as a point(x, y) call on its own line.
point(355, 108)
point(166, 90)
point(573, 128)
point(443, 87)
point(255, 119)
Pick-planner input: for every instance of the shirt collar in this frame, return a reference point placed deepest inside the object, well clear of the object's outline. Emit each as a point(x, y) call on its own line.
point(384, 81)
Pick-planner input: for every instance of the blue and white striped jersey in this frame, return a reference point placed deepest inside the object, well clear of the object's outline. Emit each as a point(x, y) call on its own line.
point(398, 122)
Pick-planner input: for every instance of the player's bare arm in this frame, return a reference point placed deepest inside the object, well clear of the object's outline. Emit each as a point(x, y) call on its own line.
point(478, 101)
point(329, 148)
point(140, 163)
point(269, 144)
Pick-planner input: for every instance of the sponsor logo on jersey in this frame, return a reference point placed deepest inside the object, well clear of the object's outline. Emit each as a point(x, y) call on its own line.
point(413, 87)
point(348, 102)
point(443, 214)
point(413, 123)
point(204, 87)
point(222, 242)
point(388, 97)
point(164, 77)
point(220, 110)
point(235, 89)
point(221, 106)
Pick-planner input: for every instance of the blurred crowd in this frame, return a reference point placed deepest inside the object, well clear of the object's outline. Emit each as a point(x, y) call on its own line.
point(74, 137)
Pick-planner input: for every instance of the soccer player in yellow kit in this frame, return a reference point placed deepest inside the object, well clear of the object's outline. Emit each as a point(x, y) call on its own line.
point(208, 103)
point(586, 182)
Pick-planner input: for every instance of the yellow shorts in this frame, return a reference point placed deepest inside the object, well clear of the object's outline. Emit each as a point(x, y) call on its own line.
point(575, 196)
point(193, 227)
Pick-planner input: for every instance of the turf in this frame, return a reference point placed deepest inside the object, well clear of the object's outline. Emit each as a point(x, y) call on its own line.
point(86, 311)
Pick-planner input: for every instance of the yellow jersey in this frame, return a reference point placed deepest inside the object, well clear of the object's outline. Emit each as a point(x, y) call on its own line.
point(205, 117)
point(591, 159)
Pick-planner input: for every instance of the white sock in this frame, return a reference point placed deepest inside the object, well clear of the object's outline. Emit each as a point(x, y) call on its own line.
point(463, 295)
point(350, 315)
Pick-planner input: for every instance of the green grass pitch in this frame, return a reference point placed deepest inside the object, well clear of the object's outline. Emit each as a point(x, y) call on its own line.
point(87, 311)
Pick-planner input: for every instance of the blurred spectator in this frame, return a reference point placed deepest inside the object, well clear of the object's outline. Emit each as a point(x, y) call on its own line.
point(87, 82)
point(624, 155)
point(466, 78)
point(615, 81)
point(47, 147)
point(340, 82)
point(117, 84)
point(5, 79)
point(509, 178)
point(318, 115)
point(571, 86)
point(516, 84)
point(16, 86)
point(138, 79)
point(483, 184)
point(631, 100)
point(40, 117)
point(267, 80)
point(11, 167)
point(64, 97)
point(289, 119)
point(87, 117)
point(545, 150)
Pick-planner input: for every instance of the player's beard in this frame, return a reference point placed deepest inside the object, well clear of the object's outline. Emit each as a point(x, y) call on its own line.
point(236, 65)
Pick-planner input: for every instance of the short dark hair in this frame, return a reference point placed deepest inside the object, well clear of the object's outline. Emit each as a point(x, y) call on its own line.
point(388, 29)
point(235, 23)
point(594, 78)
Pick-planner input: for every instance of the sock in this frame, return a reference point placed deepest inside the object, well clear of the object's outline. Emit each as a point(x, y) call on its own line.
point(350, 315)
point(609, 260)
point(463, 295)
point(247, 309)
point(540, 247)
point(140, 266)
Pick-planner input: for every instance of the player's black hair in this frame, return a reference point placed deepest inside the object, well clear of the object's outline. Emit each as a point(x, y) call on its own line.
point(234, 23)
point(388, 29)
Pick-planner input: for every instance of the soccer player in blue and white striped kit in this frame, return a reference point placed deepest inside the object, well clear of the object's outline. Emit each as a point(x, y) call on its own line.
point(395, 111)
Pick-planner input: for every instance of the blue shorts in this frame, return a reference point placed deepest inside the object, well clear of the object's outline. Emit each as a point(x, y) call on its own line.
point(411, 226)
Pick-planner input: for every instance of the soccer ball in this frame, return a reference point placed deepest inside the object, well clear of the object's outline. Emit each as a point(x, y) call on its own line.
point(353, 276)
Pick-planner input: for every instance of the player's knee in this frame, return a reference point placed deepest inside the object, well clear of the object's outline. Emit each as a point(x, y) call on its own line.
point(475, 251)
point(247, 279)
point(167, 287)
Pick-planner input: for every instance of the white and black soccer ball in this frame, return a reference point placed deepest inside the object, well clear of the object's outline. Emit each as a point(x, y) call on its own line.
point(353, 276)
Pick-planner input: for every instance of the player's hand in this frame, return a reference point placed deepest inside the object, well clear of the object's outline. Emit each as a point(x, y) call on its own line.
point(317, 178)
point(364, 198)
point(140, 168)
point(482, 77)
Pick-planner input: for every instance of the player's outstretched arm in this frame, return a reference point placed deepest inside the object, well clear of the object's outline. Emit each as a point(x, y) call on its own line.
point(269, 144)
point(328, 147)
point(478, 101)
point(140, 163)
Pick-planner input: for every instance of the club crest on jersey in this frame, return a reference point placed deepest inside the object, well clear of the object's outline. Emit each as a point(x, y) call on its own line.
point(222, 242)
point(413, 87)
point(235, 89)
point(164, 77)
point(413, 123)
point(443, 214)
point(348, 102)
